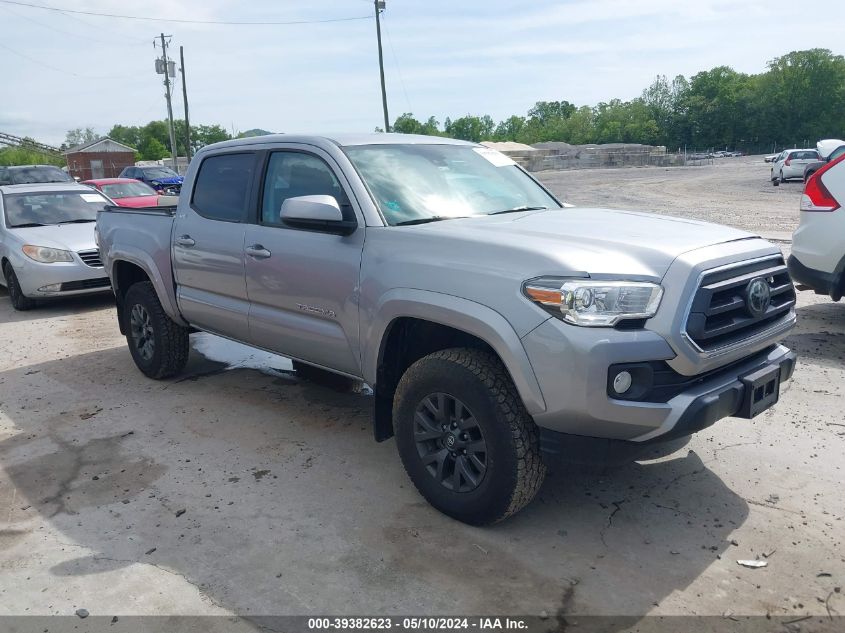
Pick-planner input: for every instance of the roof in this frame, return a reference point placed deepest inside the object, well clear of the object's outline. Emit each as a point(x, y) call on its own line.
point(89, 146)
point(342, 140)
point(45, 187)
point(108, 181)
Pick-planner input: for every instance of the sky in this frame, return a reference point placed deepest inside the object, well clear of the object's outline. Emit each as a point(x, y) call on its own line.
point(442, 57)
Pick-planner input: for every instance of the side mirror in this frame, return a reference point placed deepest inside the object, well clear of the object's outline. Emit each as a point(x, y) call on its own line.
point(316, 213)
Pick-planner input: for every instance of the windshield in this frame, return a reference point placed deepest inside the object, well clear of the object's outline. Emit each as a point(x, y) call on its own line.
point(26, 175)
point(418, 183)
point(54, 207)
point(160, 172)
point(128, 190)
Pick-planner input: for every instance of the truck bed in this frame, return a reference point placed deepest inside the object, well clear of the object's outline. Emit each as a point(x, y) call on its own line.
point(140, 237)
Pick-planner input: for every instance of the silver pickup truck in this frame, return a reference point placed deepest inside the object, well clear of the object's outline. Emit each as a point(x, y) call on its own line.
point(496, 326)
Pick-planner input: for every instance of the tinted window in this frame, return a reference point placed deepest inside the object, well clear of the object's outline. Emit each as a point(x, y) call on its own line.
point(292, 174)
point(25, 175)
point(152, 173)
point(221, 191)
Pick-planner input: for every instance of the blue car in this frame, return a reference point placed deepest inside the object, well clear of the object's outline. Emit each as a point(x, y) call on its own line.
point(163, 179)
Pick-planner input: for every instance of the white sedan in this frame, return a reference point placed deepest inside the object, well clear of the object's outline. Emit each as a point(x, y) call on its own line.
point(47, 244)
point(790, 163)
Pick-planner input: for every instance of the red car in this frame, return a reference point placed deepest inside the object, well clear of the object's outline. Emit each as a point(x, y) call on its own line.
point(126, 192)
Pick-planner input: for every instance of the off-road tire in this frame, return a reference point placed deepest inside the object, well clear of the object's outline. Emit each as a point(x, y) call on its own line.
point(514, 470)
point(16, 296)
point(170, 349)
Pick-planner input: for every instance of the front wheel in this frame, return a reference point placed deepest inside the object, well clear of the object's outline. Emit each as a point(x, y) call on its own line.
point(159, 345)
point(19, 300)
point(465, 438)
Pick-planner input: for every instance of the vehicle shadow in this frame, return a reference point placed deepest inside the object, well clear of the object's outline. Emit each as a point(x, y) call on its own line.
point(268, 495)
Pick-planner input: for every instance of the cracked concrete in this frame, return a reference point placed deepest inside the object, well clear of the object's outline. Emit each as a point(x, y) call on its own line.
point(291, 508)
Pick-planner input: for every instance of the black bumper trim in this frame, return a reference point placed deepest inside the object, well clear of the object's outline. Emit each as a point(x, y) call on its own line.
point(86, 284)
point(825, 283)
point(703, 411)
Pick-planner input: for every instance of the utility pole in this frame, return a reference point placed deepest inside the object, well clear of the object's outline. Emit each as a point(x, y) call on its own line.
point(166, 68)
point(380, 4)
point(185, 101)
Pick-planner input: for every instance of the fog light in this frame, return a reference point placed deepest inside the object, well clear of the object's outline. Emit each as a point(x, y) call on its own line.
point(622, 382)
point(50, 288)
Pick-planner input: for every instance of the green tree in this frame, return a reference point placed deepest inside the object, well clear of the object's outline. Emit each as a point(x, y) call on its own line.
point(78, 135)
point(471, 128)
point(152, 149)
point(510, 129)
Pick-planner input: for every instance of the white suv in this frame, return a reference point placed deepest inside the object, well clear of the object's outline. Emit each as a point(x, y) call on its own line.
point(818, 246)
point(790, 163)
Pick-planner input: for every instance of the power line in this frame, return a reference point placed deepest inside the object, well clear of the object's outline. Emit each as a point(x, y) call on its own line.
point(71, 33)
point(55, 68)
point(184, 21)
point(396, 62)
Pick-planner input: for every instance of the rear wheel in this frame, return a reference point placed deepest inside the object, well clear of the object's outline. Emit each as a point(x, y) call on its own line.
point(19, 300)
point(159, 345)
point(782, 179)
point(465, 438)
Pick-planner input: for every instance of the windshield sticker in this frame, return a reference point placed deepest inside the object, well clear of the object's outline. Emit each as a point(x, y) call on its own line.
point(495, 158)
point(91, 197)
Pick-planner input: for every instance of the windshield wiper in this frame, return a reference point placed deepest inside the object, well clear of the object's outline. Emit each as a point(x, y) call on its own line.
point(518, 209)
point(435, 218)
point(75, 221)
point(26, 225)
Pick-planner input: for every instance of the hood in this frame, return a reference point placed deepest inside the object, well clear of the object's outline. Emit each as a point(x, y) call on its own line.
point(173, 180)
point(137, 201)
point(595, 241)
point(826, 147)
point(67, 237)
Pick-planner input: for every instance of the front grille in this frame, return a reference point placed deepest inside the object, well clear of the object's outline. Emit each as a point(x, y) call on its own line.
point(720, 314)
point(91, 258)
point(85, 284)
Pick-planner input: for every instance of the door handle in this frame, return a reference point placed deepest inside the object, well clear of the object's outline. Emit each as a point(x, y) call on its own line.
point(257, 251)
point(185, 240)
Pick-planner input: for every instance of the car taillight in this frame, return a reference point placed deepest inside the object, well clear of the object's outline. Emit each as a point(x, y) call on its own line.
point(816, 196)
point(788, 161)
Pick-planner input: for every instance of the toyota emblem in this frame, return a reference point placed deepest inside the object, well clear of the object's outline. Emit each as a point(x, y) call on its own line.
point(758, 297)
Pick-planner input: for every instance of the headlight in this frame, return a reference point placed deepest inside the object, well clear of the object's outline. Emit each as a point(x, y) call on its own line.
point(47, 255)
point(155, 183)
point(595, 303)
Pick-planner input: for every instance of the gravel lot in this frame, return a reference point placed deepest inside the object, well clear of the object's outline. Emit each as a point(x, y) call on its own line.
point(734, 191)
point(241, 489)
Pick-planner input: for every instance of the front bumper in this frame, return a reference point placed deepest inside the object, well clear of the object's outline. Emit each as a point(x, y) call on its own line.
point(573, 375)
point(60, 279)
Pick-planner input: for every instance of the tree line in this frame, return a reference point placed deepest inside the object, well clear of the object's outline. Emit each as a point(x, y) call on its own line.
point(800, 98)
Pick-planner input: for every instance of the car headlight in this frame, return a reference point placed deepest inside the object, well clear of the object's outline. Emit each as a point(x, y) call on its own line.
point(155, 183)
point(595, 303)
point(46, 255)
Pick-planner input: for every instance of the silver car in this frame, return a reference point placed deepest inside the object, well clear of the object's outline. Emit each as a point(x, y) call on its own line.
point(47, 243)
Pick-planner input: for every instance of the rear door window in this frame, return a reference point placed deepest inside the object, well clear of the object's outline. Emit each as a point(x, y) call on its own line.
point(222, 188)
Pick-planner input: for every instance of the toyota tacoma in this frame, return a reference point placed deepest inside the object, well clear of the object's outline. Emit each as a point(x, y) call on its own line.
point(496, 325)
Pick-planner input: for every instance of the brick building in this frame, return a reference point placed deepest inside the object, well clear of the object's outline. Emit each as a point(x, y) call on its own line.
point(101, 158)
